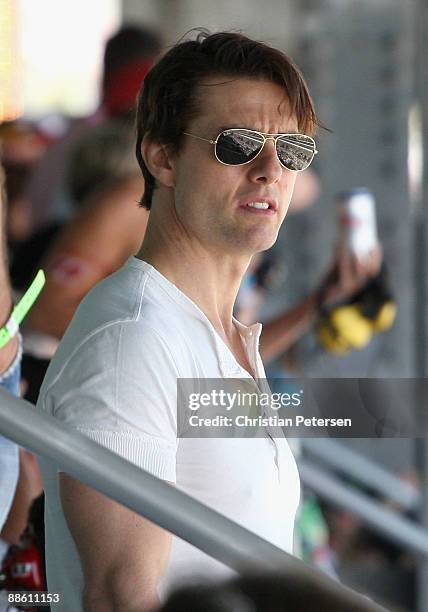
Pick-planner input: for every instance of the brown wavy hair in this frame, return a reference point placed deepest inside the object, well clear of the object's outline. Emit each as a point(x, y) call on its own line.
point(168, 99)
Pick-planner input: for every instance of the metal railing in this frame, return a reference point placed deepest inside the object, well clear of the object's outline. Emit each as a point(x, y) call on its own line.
point(165, 505)
point(352, 464)
point(381, 519)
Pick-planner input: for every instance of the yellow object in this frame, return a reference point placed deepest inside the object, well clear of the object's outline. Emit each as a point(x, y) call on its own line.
point(385, 317)
point(334, 344)
point(345, 329)
point(352, 326)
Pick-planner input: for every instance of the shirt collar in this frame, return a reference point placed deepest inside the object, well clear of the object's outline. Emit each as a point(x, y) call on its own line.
point(227, 361)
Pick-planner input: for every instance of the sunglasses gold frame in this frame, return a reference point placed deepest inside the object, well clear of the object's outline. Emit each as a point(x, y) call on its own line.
point(266, 136)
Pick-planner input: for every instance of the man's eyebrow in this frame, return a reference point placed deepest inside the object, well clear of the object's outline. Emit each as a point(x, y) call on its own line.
point(237, 126)
point(232, 126)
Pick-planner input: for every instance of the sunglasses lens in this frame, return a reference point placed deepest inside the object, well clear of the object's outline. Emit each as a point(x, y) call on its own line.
point(236, 147)
point(295, 151)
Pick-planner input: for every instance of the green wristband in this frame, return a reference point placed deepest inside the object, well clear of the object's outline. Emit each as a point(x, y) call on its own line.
point(10, 329)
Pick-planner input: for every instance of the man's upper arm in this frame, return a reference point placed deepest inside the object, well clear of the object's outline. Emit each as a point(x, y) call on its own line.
point(123, 555)
point(120, 390)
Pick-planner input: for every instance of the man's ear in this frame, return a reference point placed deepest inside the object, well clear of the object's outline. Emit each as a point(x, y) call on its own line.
point(158, 162)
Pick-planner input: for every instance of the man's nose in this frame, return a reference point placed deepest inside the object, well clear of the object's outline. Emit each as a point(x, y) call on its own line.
point(266, 168)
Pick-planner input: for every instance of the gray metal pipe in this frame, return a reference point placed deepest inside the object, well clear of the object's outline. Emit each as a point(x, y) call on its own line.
point(353, 464)
point(420, 261)
point(168, 507)
point(384, 521)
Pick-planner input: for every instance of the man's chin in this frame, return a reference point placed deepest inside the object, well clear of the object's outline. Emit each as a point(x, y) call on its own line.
point(263, 243)
point(251, 242)
point(259, 247)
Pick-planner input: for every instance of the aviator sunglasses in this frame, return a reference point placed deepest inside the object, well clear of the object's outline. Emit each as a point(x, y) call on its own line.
point(239, 146)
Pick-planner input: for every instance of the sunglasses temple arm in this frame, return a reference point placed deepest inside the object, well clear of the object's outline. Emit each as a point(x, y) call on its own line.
point(200, 138)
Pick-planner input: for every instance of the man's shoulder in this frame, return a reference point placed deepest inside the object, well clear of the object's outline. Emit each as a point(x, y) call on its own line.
point(128, 295)
point(112, 347)
point(126, 319)
point(135, 291)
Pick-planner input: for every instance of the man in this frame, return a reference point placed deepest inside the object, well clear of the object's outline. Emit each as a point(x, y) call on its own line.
point(218, 193)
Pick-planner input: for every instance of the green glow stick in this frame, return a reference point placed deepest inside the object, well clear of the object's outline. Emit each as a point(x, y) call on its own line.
point(10, 329)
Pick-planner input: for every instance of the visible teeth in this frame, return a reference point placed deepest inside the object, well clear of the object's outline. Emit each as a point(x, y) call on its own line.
point(261, 205)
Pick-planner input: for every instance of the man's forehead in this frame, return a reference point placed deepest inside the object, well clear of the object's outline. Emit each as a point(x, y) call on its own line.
point(243, 102)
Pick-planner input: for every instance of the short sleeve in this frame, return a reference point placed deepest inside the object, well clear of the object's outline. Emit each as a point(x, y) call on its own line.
point(120, 389)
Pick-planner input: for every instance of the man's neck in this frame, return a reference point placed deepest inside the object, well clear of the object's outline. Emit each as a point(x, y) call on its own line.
point(212, 284)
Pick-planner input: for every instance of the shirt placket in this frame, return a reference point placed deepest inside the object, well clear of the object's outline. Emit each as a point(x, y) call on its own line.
point(253, 346)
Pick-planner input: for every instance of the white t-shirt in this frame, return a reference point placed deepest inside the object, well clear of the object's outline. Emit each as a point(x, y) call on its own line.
point(114, 378)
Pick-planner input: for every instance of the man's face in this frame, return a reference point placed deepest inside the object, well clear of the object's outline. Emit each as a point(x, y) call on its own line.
point(211, 199)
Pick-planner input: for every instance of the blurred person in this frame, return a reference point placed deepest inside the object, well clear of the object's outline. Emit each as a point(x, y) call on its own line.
point(10, 359)
point(128, 55)
point(107, 228)
point(19, 477)
point(346, 276)
point(167, 314)
point(18, 227)
point(20, 481)
point(105, 231)
point(22, 146)
point(48, 201)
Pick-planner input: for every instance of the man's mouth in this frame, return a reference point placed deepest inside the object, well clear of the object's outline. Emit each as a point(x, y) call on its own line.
point(267, 206)
point(259, 205)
